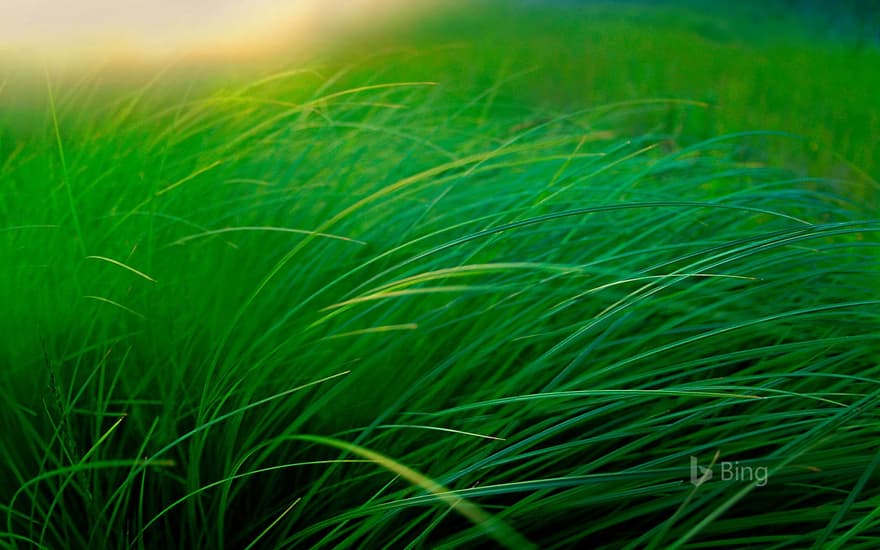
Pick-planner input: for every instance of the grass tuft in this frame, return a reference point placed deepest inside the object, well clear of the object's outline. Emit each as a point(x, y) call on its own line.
point(533, 321)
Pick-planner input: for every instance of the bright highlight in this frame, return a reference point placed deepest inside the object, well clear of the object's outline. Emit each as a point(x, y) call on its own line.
point(157, 28)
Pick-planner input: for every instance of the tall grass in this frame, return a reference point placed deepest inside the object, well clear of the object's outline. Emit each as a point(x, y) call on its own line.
point(758, 65)
point(307, 312)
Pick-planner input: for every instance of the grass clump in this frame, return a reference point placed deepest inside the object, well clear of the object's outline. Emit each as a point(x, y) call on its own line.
point(308, 312)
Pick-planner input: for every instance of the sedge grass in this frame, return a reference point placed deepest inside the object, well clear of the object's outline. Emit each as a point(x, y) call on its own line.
point(297, 313)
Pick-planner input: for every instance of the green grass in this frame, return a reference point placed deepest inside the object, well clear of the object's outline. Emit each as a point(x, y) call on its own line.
point(754, 67)
point(395, 304)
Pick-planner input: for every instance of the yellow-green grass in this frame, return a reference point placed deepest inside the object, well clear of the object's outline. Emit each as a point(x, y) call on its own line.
point(410, 302)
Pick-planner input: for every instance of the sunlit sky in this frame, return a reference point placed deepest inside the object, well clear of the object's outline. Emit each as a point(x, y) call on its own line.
point(160, 27)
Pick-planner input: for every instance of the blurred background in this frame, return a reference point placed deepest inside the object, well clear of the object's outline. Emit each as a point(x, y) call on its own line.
point(166, 25)
point(102, 29)
point(807, 67)
point(139, 28)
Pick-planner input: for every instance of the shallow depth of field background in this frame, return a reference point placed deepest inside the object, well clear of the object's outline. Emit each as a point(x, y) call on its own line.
point(366, 274)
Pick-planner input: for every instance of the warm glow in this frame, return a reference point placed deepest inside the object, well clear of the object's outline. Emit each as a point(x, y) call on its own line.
point(73, 30)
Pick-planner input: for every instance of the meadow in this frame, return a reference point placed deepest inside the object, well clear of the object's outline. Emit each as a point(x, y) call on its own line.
point(517, 278)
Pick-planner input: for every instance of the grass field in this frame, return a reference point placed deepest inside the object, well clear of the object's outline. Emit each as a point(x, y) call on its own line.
point(521, 278)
